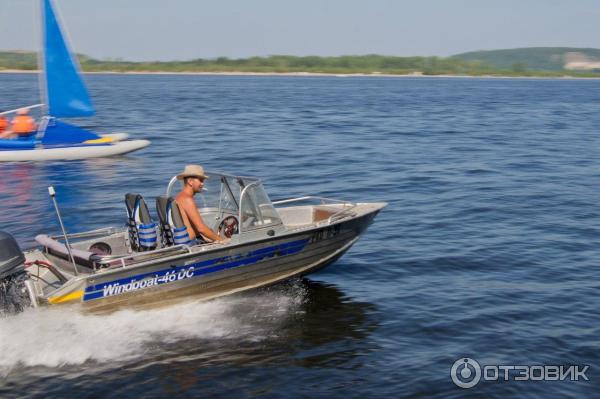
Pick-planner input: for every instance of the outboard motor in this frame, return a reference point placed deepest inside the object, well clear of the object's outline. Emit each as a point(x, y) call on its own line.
point(14, 295)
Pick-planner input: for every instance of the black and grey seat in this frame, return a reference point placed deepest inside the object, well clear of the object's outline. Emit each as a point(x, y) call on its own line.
point(142, 230)
point(172, 227)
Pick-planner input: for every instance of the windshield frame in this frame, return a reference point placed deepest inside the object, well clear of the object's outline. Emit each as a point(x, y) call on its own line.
point(247, 185)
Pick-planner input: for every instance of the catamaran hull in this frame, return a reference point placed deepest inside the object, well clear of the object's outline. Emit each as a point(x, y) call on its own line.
point(73, 152)
point(224, 272)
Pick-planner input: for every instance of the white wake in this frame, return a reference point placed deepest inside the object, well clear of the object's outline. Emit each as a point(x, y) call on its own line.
point(62, 336)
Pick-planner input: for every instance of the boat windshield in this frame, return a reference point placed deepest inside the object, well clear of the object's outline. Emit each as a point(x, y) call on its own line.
point(243, 196)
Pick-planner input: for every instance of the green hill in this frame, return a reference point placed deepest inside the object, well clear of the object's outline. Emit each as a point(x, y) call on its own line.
point(375, 64)
point(533, 58)
point(18, 60)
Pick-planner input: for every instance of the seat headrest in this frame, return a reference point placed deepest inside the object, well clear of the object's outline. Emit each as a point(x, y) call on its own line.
point(169, 212)
point(137, 208)
point(174, 213)
point(161, 209)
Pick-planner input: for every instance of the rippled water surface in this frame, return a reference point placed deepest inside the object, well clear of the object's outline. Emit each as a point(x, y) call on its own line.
point(488, 248)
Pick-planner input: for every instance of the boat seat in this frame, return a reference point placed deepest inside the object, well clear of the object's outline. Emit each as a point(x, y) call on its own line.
point(142, 230)
point(172, 228)
point(58, 249)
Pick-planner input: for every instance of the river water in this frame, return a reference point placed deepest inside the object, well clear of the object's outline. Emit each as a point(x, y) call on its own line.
point(488, 248)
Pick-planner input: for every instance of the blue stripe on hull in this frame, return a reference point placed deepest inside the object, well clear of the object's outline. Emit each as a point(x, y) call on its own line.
point(179, 273)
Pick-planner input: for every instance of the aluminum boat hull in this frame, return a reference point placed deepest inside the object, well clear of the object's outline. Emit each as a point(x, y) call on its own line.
point(217, 271)
point(229, 270)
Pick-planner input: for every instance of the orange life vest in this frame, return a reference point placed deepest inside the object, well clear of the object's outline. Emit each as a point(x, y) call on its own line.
point(3, 123)
point(23, 124)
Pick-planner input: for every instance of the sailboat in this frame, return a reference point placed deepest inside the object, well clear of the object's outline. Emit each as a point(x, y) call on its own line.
point(63, 95)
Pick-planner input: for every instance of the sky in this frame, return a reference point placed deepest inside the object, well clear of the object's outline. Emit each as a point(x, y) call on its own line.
point(146, 30)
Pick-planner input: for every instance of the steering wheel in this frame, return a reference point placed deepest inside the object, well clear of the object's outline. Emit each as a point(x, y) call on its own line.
point(228, 227)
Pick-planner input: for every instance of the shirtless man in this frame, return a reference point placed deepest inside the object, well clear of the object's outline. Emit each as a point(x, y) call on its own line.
point(193, 180)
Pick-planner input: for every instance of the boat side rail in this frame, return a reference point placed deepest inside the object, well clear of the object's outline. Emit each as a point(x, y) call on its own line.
point(324, 200)
point(112, 261)
point(89, 234)
point(341, 214)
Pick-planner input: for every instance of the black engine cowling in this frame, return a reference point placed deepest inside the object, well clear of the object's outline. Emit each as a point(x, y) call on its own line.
point(14, 296)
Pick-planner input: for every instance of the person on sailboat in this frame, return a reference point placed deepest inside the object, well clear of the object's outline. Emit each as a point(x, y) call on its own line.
point(23, 125)
point(3, 124)
point(193, 180)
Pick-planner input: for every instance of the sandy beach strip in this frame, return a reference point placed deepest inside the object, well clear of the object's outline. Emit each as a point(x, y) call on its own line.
point(307, 74)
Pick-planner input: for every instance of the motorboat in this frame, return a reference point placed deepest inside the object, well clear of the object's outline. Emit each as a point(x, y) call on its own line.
point(152, 262)
point(63, 95)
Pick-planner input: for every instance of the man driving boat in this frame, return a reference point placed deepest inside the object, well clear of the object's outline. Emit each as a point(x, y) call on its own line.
point(193, 181)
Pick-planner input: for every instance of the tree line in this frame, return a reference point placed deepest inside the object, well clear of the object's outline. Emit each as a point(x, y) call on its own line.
point(351, 64)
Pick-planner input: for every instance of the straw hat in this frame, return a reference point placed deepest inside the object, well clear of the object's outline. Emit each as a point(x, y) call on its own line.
point(192, 171)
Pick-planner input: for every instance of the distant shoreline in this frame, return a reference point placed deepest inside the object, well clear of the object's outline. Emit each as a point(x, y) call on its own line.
point(311, 74)
point(543, 62)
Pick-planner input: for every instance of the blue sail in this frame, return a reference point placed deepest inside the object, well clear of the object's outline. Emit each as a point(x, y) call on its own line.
point(58, 132)
point(65, 91)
